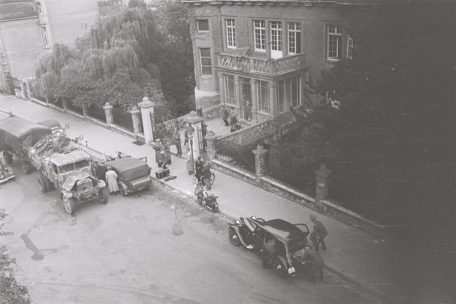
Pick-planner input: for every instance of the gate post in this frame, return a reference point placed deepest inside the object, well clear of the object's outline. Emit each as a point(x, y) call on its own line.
point(260, 162)
point(65, 105)
point(194, 122)
point(147, 115)
point(108, 113)
point(134, 117)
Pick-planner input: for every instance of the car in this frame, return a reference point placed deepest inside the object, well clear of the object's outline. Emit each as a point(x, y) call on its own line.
point(133, 174)
point(253, 233)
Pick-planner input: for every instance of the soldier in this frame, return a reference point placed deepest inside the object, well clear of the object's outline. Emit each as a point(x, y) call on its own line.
point(318, 234)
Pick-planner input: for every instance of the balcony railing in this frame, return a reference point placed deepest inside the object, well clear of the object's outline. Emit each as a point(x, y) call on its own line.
point(267, 67)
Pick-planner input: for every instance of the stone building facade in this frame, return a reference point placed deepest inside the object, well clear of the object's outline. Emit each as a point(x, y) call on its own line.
point(260, 57)
point(29, 28)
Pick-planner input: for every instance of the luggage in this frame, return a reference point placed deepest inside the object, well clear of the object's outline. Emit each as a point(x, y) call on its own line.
point(162, 173)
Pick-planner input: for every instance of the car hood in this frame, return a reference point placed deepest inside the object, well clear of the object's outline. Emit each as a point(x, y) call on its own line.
point(73, 178)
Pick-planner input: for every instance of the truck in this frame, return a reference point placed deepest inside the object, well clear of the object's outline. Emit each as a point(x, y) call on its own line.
point(59, 160)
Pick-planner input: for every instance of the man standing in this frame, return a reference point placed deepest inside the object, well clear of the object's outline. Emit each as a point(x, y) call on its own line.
point(111, 180)
point(225, 115)
point(318, 234)
point(177, 139)
point(315, 261)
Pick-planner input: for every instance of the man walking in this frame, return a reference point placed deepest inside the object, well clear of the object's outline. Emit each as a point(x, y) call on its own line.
point(318, 234)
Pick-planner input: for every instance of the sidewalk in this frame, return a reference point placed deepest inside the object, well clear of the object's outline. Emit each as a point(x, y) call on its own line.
point(352, 252)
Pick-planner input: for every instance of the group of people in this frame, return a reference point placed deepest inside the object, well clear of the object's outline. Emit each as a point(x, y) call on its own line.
point(230, 120)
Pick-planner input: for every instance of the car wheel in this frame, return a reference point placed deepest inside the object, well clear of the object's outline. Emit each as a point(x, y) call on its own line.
point(104, 196)
point(43, 183)
point(69, 205)
point(278, 267)
point(26, 167)
point(123, 189)
point(234, 238)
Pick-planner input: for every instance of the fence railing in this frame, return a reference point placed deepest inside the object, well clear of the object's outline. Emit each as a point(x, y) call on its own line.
point(122, 118)
point(97, 113)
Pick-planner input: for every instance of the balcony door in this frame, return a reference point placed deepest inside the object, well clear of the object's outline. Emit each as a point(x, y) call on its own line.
point(246, 98)
point(276, 39)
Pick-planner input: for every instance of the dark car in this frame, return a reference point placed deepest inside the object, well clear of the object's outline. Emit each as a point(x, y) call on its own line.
point(133, 174)
point(254, 233)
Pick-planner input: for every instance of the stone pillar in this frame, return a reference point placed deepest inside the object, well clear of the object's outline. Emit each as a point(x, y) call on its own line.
point(65, 105)
point(237, 95)
point(134, 111)
point(261, 168)
point(210, 150)
point(147, 115)
point(253, 93)
point(194, 141)
point(221, 87)
point(284, 39)
point(321, 187)
point(273, 98)
point(108, 113)
point(84, 109)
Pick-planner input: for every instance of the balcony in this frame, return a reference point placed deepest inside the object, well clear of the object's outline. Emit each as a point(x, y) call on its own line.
point(265, 67)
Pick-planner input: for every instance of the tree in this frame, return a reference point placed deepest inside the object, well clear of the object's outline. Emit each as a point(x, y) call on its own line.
point(11, 292)
point(389, 112)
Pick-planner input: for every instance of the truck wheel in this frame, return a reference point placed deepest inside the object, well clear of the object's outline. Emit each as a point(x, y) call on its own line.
point(26, 167)
point(69, 205)
point(43, 183)
point(104, 196)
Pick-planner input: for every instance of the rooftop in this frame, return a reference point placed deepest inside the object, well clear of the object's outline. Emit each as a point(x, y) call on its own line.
point(16, 9)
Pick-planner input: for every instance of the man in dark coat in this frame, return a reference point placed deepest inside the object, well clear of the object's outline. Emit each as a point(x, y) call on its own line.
point(316, 262)
point(318, 234)
point(225, 115)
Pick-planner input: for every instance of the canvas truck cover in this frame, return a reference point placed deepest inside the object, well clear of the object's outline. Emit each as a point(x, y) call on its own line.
point(129, 167)
point(15, 131)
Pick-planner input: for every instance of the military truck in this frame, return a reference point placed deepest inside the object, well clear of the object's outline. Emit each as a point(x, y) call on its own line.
point(60, 162)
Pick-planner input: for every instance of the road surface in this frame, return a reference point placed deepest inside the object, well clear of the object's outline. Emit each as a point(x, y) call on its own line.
point(126, 252)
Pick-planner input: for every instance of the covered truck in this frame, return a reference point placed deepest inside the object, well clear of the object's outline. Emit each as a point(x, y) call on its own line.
point(60, 163)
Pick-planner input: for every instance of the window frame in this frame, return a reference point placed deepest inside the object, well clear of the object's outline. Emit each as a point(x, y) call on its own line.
point(230, 31)
point(279, 35)
point(228, 99)
point(296, 32)
point(350, 46)
point(262, 38)
point(261, 105)
point(198, 28)
point(201, 57)
point(338, 34)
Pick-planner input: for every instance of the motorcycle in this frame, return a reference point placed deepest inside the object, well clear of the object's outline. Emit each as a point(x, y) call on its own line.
point(245, 232)
point(208, 201)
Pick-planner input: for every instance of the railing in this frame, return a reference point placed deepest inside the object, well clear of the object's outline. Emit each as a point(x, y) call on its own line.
point(250, 134)
point(269, 67)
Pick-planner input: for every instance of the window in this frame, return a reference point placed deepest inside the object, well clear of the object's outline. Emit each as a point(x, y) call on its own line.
point(334, 47)
point(259, 32)
point(45, 37)
point(202, 25)
point(349, 47)
point(288, 93)
point(276, 35)
point(263, 96)
point(230, 33)
point(294, 38)
point(206, 61)
point(229, 89)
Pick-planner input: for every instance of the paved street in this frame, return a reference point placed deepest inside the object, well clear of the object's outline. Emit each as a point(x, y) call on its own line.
point(126, 252)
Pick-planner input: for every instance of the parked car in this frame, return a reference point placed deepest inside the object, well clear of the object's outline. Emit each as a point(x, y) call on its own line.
point(253, 233)
point(133, 174)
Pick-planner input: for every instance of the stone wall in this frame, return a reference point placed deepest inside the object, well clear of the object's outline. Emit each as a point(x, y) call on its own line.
point(213, 112)
point(250, 134)
point(330, 209)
